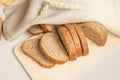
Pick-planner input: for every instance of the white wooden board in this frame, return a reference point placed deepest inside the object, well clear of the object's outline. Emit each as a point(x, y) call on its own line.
point(69, 70)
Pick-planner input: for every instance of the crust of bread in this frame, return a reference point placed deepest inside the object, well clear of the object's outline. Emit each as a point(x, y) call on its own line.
point(30, 30)
point(75, 38)
point(48, 56)
point(98, 28)
point(83, 40)
point(43, 65)
point(46, 28)
point(69, 42)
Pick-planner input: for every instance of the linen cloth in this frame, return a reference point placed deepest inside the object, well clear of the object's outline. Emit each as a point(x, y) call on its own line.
point(25, 13)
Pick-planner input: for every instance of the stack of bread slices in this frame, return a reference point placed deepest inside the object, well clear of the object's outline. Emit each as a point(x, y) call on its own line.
point(59, 44)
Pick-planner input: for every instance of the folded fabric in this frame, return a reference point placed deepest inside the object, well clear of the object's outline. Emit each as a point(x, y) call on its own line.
point(23, 15)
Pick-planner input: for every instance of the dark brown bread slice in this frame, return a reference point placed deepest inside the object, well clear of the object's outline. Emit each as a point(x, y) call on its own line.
point(35, 29)
point(75, 38)
point(67, 42)
point(31, 48)
point(48, 28)
point(52, 48)
point(83, 40)
point(95, 32)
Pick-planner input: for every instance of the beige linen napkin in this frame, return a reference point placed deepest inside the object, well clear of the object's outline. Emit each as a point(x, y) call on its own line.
point(21, 16)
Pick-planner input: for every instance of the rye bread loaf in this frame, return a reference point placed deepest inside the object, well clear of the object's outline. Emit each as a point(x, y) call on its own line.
point(48, 28)
point(95, 32)
point(75, 38)
point(68, 42)
point(35, 29)
point(31, 48)
point(83, 40)
point(52, 48)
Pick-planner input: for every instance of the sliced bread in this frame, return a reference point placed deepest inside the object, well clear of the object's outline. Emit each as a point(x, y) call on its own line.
point(95, 32)
point(67, 42)
point(31, 48)
point(52, 48)
point(83, 40)
point(35, 29)
point(75, 38)
point(48, 28)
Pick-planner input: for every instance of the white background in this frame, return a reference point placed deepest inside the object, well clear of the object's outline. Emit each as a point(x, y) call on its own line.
point(108, 68)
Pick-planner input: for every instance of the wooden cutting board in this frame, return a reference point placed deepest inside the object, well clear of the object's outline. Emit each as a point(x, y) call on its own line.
point(69, 70)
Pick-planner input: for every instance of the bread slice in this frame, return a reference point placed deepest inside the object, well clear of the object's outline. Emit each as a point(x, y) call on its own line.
point(95, 32)
point(68, 42)
point(48, 28)
point(83, 40)
point(75, 38)
point(52, 48)
point(35, 29)
point(31, 48)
